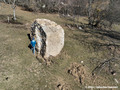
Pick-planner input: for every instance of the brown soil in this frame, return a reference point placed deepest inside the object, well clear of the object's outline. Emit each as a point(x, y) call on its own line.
point(79, 72)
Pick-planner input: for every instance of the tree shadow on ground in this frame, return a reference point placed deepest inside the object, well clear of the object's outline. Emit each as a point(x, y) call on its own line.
point(108, 33)
point(4, 19)
point(112, 34)
point(13, 22)
point(98, 39)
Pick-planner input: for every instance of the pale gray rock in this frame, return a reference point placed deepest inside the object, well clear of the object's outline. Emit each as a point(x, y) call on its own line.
point(49, 37)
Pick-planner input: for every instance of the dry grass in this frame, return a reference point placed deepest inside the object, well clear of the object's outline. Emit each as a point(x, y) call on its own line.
point(19, 68)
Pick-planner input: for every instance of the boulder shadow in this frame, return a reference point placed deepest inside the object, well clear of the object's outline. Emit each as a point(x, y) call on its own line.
point(29, 46)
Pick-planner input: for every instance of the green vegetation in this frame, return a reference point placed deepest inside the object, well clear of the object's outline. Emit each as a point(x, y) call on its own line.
point(19, 68)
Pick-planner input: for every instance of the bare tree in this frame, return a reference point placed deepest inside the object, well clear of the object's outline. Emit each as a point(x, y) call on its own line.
point(113, 12)
point(0, 6)
point(4, 1)
point(90, 11)
point(14, 7)
point(97, 11)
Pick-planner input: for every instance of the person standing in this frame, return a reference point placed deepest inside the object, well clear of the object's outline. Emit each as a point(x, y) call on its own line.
point(33, 43)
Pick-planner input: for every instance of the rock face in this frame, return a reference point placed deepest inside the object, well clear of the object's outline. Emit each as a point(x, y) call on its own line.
point(49, 37)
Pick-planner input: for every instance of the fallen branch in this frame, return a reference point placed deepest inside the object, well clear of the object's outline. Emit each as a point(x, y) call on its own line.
point(102, 65)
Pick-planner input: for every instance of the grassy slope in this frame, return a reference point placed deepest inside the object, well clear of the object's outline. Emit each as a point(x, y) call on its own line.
point(19, 69)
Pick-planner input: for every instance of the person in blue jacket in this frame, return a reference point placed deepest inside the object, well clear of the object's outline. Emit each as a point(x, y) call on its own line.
point(33, 43)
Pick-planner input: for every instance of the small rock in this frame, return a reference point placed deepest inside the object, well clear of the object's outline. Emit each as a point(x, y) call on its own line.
point(116, 65)
point(40, 64)
point(45, 85)
point(44, 6)
point(6, 78)
point(82, 62)
point(113, 72)
point(80, 28)
point(58, 85)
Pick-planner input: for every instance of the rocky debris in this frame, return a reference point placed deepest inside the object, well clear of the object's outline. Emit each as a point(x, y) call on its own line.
point(113, 72)
point(78, 71)
point(80, 28)
point(72, 26)
point(62, 85)
point(49, 37)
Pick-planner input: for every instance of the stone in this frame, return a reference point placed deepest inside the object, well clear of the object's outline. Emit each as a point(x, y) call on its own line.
point(80, 28)
point(49, 37)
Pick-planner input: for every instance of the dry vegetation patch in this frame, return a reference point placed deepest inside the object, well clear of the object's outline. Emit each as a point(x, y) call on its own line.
point(62, 85)
point(80, 72)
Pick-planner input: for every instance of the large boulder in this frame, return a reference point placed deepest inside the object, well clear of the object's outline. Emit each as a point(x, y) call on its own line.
point(49, 37)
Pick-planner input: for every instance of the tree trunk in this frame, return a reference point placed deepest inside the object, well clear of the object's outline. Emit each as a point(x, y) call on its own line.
point(90, 11)
point(14, 15)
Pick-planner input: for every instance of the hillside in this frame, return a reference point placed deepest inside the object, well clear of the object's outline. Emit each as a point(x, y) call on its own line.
point(20, 70)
